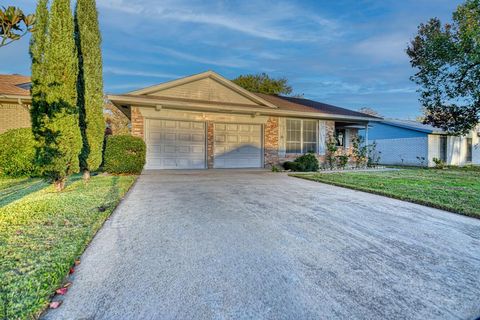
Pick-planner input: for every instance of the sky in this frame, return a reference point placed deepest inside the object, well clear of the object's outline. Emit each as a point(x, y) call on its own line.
point(349, 53)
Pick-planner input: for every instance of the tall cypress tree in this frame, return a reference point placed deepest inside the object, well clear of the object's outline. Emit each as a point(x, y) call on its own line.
point(58, 134)
point(90, 85)
point(37, 50)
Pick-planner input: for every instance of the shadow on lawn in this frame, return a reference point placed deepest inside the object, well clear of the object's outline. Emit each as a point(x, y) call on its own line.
point(20, 189)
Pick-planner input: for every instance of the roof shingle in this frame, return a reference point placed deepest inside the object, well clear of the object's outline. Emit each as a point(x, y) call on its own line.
point(306, 105)
point(14, 85)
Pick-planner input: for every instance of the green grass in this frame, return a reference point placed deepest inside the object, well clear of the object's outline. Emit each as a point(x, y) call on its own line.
point(452, 189)
point(42, 232)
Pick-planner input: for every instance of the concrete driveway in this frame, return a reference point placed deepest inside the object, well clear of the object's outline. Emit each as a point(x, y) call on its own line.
point(259, 245)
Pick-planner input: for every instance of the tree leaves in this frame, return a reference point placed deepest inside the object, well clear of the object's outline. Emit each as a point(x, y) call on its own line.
point(448, 62)
point(262, 83)
point(11, 20)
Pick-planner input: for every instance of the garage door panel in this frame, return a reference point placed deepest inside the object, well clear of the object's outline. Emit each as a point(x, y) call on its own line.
point(237, 146)
point(198, 138)
point(175, 144)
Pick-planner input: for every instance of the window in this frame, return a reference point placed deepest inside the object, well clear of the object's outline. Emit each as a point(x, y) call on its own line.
point(469, 150)
point(301, 136)
point(340, 135)
point(443, 148)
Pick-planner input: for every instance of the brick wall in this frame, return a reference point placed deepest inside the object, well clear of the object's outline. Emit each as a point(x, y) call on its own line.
point(271, 142)
point(14, 116)
point(138, 129)
point(210, 142)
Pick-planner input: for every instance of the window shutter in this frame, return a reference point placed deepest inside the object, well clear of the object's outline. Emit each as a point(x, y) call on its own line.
point(347, 138)
point(322, 137)
point(282, 136)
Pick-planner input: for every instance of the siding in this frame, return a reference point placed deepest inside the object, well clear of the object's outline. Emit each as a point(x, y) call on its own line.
point(379, 131)
point(13, 116)
point(205, 89)
point(403, 151)
point(476, 146)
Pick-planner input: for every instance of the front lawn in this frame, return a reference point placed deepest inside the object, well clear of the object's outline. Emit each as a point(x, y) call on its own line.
point(42, 232)
point(452, 189)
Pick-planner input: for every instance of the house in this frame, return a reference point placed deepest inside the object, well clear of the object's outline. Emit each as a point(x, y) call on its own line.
point(14, 102)
point(407, 142)
point(207, 121)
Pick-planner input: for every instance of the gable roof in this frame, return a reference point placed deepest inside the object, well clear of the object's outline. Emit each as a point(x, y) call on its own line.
point(413, 125)
point(199, 93)
point(14, 85)
point(198, 77)
point(306, 105)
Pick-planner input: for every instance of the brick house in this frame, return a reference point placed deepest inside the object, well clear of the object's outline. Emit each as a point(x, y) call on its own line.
point(207, 121)
point(14, 102)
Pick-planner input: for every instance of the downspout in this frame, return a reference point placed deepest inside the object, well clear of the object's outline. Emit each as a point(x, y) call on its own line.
point(366, 140)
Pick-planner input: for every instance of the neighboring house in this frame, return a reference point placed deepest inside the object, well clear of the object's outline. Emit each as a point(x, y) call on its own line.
point(407, 142)
point(14, 102)
point(207, 121)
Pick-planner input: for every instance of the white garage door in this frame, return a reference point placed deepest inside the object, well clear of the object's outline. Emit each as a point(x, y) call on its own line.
point(175, 144)
point(238, 146)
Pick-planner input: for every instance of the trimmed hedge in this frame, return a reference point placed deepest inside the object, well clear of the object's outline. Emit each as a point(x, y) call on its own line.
point(17, 153)
point(306, 163)
point(124, 154)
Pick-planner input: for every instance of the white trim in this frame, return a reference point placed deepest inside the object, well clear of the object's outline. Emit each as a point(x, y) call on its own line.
point(208, 74)
point(301, 135)
point(203, 107)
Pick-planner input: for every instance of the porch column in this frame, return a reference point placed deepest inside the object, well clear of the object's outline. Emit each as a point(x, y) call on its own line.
point(366, 138)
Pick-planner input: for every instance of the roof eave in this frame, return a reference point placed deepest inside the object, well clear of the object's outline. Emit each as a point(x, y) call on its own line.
point(14, 98)
point(121, 100)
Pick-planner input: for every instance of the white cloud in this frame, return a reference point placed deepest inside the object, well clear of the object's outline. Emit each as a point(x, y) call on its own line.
point(229, 62)
point(384, 48)
point(264, 19)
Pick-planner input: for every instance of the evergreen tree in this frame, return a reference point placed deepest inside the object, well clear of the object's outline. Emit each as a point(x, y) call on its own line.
point(57, 131)
point(37, 50)
point(89, 85)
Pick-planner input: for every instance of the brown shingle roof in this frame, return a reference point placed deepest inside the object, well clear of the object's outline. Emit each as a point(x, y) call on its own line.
point(14, 85)
point(306, 105)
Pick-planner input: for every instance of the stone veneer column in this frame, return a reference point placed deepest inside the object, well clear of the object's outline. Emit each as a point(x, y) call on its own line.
point(271, 142)
point(210, 137)
point(137, 123)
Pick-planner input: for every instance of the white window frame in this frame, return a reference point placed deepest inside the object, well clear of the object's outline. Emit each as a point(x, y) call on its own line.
point(301, 135)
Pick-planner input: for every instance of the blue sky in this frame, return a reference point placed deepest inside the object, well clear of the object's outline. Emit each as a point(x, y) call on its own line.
point(348, 53)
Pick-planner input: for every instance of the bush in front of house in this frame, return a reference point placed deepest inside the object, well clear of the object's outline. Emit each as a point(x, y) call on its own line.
point(17, 153)
point(124, 154)
point(306, 163)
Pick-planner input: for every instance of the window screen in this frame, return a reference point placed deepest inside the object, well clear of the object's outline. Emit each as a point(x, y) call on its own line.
point(301, 136)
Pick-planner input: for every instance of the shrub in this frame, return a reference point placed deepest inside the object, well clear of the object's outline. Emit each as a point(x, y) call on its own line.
point(307, 162)
point(292, 166)
point(332, 148)
point(342, 161)
point(17, 153)
point(124, 154)
point(359, 151)
point(439, 163)
point(275, 168)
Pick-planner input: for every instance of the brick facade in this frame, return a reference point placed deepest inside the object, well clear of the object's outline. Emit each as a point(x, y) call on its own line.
point(138, 129)
point(210, 144)
point(271, 138)
point(271, 141)
point(14, 116)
